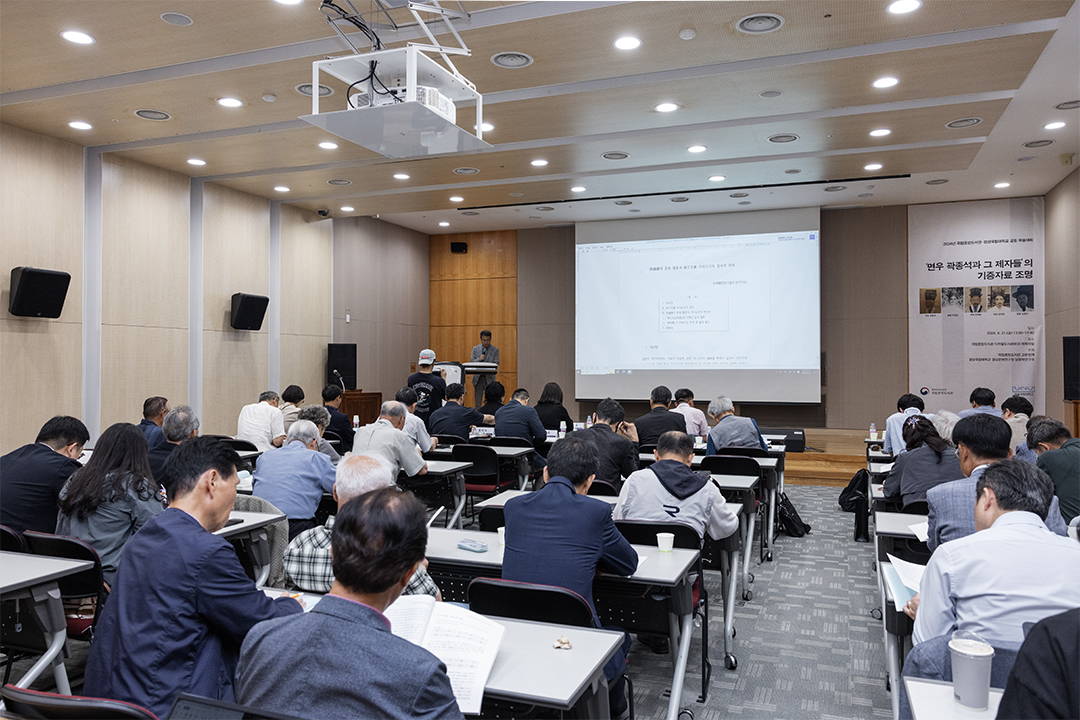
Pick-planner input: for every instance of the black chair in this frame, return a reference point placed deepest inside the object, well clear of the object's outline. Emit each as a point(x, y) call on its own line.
point(916, 507)
point(11, 541)
point(334, 439)
point(504, 441)
point(753, 503)
point(647, 448)
point(450, 439)
point(603, 488)
point(78, 586)
point(491, 519)
point(743, 452)
point(52, 706)
point(238, 445)
point(482, 479)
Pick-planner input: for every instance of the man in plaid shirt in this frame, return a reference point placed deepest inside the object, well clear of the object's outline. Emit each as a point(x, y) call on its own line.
point(307, 560)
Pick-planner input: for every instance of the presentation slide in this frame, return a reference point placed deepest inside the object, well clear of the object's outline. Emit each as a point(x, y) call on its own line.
point(735, 315)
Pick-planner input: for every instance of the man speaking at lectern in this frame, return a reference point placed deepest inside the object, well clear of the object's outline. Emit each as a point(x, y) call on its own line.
point(484, 352)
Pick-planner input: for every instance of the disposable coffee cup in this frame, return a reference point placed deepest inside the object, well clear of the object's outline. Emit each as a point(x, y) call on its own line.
point(665, 541)
point(502, 536)
point(971, 660)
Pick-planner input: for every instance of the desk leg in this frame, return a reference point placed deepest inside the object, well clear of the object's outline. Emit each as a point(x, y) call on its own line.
point(262, 576)
point(680, 664)
point(892, 653)
point(49, 610)
point(524, 470)
point(594, 702)
point(459, 505)
point(747, 548)
point(729, 583)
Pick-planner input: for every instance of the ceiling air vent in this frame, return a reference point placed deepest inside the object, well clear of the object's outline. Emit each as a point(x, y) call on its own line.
point(615, 155)
point(783, 138)
point(938, 181)
point(147, 114)
point(1038, 143)
point(759, 24)
point(466, 171)
point(178, 19)
point(305, 90)
point(511, 60)
point(680, 199)
point(339, 181)
point(963, 123)
point(1070, 105)
point(623, 202)
point(835, 188)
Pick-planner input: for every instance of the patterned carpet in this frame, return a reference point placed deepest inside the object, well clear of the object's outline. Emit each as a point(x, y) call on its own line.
point(806, 645)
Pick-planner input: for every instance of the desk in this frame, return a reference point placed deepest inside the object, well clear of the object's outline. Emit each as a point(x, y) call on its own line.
point(743, 486)
point(442, 484)
point(521, 454)
point(252, 535)
point(896, 626)
point(453, 568)
point(33, 578)
point(933, 700)
point(646, 459)
point(498, 501)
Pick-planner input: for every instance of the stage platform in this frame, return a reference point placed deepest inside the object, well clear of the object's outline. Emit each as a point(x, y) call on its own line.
point(842, 454)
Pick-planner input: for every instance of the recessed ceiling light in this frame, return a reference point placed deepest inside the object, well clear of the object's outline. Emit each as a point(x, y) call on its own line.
point(1001, 185)
point(1038, 143)
point(696, 149)
point(717, 178)
point(904, 6)
point(1068, 105)
point(687, 34)
point(872, 166)
point(281, 188)
point(680, 199)
point(196, 161)
point(938, 181)
point(80, 125)
point(517, 194)
point(486, 127)
point(623, 202)
point(229, 102)
point(178, 19)
point(759, 23)
point(885, 82)
point(880, 132)
point(466, 171)
point(866, 195)
point(666, 107)
point(835, 188)
point(511, 60)
point(1025, 158)
point(545, 208)
point(746, 202)
point(290, 2)
point(739, 195)
point(615, 155)
point(444, 224)
point(456, 198)
point(269, 97)
point(75, 36)
point(578, 188)
point(347, 208)
point(783, 138)
point(401, 176)
point(469, 212)
point(539, 163)
point(328, 145)
point(628, 42)
point(1053, 126)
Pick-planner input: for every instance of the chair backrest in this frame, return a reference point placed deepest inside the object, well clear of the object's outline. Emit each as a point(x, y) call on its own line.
point(503, 441)
point(743, 452)
point(604, 488)
point(917, 507)
point(237, 444)
point(87, 583)
point(36, 704)
point(331, 436)
point(277, 535)
point(647, 448)
point(450, 439)
point(730, 465)
point(491, 519)
point(527, 601)
point(643, 532)
point(485, 462)
point(11, 541)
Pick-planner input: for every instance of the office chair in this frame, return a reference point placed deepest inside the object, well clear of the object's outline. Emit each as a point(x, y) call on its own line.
point(743, 452)
point(753, 504)
point(11, 541)
point(482, 479)
point(450, 439)
point(53, 706)
point(603, 488)
point(238, 445)
point(87, 584)
point(491, 519)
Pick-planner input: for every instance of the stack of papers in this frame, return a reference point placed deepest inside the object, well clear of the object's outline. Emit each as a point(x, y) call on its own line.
point(903, 578)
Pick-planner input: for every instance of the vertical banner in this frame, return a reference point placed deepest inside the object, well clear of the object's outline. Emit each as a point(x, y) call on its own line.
point(975, 301)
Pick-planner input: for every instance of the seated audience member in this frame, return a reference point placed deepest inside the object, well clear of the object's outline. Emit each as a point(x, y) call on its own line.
point(551, 411)
point(294, 478)
point(340, 660)
point(307, 559)
point(731, 430)
point(154, 410)
point(615, 440)
point(454, 418)
point(386, 438)
point(982, 403)
point(1059, 457)
point(1017, 411)
point(1024, 451)
point(261, 423)
point(181, 604)
point(339, 421)
point(321, 417)
point(659, 419)
point(293, 397)
point(494, 398)
point(980, 440)
point(906, 406)
point(1012, 570)
point(414, 426)
point(32, 476)
point(579, 538)
point(669, 491)
point(517, 419)
point(929, 461)
point(179, 425)
point(430, 386)
point(1042, 682)
point(696, 424)
point(944, 422)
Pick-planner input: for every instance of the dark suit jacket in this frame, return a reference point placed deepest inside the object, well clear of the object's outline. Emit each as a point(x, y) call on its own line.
point(618, 455)
point(341, 661)
point(516, 420)
point(30, 482)
point(551, 414)
point(454, 419)
point(342, 425)
point(154, 436)
point(157, 458)
point(657, 422)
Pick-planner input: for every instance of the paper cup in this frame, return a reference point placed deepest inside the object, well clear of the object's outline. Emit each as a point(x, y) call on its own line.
point(665, 541)
point(971, 660)
point(502, 536)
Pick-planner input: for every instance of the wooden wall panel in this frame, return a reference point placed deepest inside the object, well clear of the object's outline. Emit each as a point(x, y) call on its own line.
point(1062, 291)
point(490, 255)
point(41, 225)
point(480, 302)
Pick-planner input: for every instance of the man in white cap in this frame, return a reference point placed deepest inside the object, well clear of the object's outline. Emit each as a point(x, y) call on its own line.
point(430, 388)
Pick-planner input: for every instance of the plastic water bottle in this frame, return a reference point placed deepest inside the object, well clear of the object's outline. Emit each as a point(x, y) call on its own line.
point(873, 431)
point(562, 428)
point(356, 422)
point(588, 421)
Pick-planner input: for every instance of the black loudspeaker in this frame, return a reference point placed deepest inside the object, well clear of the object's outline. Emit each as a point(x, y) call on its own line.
point(38, 293)
point(341, 357)
point(459, 247)
point(248, 311)
point(1070, 350)
point(795, 439)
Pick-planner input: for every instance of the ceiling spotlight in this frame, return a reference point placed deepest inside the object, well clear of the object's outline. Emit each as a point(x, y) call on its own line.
point(269, 97)
point(717, 178)
point(229, 102)
point(539, 163)
point(281, 188)
point(456, 198)
point(696, 149)
point(328, 145)
point(401, 176)
point(290, 2)
point(687, 34)
point(75, 36)
point(347, 208)
point(872, 166)
point(196, 161)
point(1054, 126)
point(486, 127)
point(880, 132)
point(578, 188)
point(628, 42)
point(444, 224)
point(904, 6)
point(885, 82)
point(80, 125)
point(1001, 185)
point(666, 107)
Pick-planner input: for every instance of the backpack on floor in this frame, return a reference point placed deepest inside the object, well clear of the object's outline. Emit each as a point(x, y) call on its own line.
point(790, 521)
point(849, 495)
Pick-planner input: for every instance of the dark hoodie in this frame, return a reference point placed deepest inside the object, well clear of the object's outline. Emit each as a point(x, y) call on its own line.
point(678, 479)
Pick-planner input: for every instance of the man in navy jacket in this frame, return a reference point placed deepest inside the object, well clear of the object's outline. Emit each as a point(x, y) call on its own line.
point(517, 419)
point(181, 605)
point(32, 476)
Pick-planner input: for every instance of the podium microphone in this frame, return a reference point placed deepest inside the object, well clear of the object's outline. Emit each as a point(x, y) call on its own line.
point(338, 376)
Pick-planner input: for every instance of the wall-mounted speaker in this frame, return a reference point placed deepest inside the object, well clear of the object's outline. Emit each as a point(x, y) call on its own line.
point(248, 311)
point(459, 247)
point(38, 293)
point(1070, 348)
point(341, 357)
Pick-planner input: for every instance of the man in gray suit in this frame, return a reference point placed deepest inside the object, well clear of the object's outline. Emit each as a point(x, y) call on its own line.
point(340, 659)
point(484, 352)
